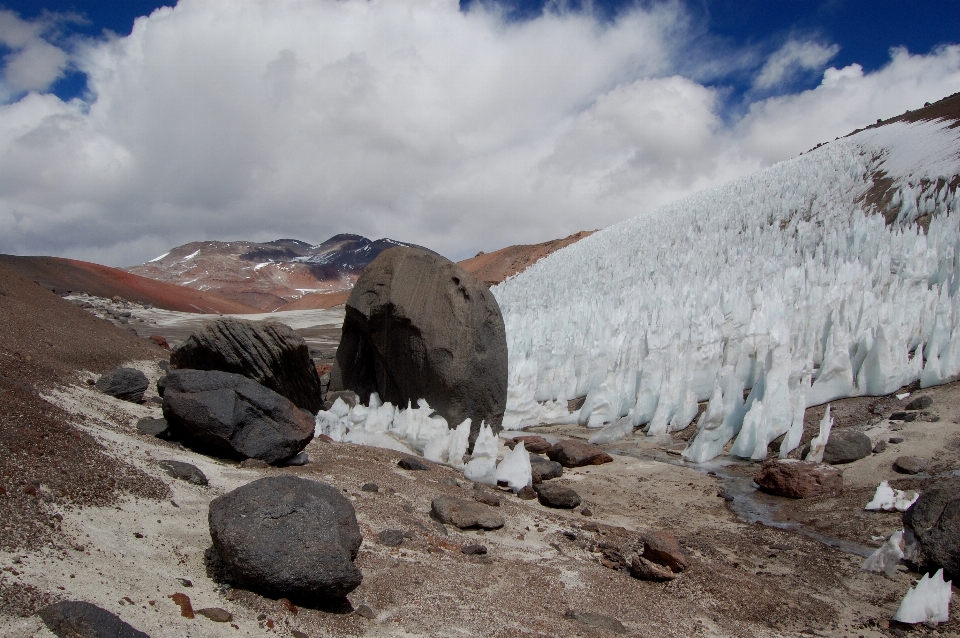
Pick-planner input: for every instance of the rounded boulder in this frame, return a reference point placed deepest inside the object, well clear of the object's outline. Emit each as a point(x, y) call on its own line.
point(285, 536)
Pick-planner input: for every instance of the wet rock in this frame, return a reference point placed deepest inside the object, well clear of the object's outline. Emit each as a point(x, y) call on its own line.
point(597, 621)
point(215, 614)
point(543, 469)
point(412, 463)
point(230, 415)
point(920, 403)
point(70, 618)
point(465, 514)
point(286, 536)
point(127, 384)
point(474, 550)
point(557, 496)
point(663, 548)
point(573, 453)
point(419, 326)
point(910, 464)
point(880, 446)
point(391, 537)
point(270, 353)
point(799, 479)
point(153, 427)
point(184, 471)
point(643, 569)
point(846, 446)
point(532, 443)
point(932, 529)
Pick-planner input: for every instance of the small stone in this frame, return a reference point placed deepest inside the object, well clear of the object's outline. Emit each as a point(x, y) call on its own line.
point(527, 493)
point(532, 443)
point(370, 487)
point(391, 537)
point(903, 416)
point(216, 614)
point(412, 463)
point(481, 495)
point(542, 469)
point(186, 582)
point(465, 514)
point(183, 601)
point(254, 464)
point(184, 471)
point(557, 496)
point(160, 340)
point(597, 621)
point(920, 403)
point(473, 550)
point(366, 612)
point(644, 569)
point(896, 439)
point(586, 511)
point(879, 446)
point(663, 548)
point(910, 464)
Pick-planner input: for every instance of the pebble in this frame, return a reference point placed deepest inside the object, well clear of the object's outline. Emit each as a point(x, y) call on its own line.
point(366, 612)
point(896, 439)
point(910, 464)
point(391, 537)
point(370, 487)
point(412, 463)
point(880, 446)
point(472, 550)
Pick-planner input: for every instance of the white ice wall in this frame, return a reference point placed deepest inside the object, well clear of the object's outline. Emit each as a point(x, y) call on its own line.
point(753, 284)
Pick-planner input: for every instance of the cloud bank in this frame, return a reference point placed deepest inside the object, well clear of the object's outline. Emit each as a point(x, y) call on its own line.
point(397, 118)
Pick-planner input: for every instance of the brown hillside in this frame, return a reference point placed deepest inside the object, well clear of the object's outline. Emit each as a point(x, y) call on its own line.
point(63, 275)
point(492, 268)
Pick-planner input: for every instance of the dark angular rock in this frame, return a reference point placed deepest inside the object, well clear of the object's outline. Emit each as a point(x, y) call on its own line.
point(465, 514)
point(153, 427)
point(597, 621)
point(920, 403)
point(799, 479)
point(933, 524)
point(846, 446)
point(474, 550)
point(573, 453)
point(270, 353)
point(370, 487)
point(557, 496)
point(663, 548)
point(896, 439)
point(72, 619)
point(419, 326)
point(542, 469)
point(127, 384)
point(233, 416)
point(184, 471)
point(910, 464)
point(412, 463)
point(532, 443)
point(903, 416)
point(391, 537)
point(286, 536)
point(880, 446)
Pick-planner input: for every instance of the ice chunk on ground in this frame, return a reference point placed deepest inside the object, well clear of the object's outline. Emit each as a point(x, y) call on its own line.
point(928, 602)
point(514, 469)
point(483, 464)
point(613, 432)
point(887, 556)
point(819, 442)
point(888, 499)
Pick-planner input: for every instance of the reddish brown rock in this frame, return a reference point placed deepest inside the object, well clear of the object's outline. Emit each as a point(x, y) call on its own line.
point(573, 453)
point(799, 479)
point(160, 341)
point(533, 443)
point(646, 570)
point(663, 548)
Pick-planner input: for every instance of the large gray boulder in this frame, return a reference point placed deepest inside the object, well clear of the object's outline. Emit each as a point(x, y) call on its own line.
point(932, 529)
point(233, 416)
point(846, 446)
point(419, 326)
point(286, 536)
point(127, 384)
point(268, 352)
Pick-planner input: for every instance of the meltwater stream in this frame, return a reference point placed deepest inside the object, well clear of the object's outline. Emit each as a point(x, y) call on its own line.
point(751, 505)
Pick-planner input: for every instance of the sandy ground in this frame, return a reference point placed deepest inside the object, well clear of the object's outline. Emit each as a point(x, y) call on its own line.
point(745, 580)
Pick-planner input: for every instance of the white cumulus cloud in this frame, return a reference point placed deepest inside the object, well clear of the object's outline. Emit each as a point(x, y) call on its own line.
point(260, 119)
point(793, 57)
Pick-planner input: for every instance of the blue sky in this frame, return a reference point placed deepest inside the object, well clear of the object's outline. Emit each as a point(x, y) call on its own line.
point(463, 127)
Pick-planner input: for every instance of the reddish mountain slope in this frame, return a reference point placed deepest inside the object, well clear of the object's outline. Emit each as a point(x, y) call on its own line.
point(492, 268)
point(62, 275)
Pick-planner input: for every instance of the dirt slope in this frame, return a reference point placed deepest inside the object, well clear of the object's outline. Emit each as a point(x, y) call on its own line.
point(492, 268)
point(62, 275)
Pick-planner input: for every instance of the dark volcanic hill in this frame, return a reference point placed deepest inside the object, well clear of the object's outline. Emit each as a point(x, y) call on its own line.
point(267, 275)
